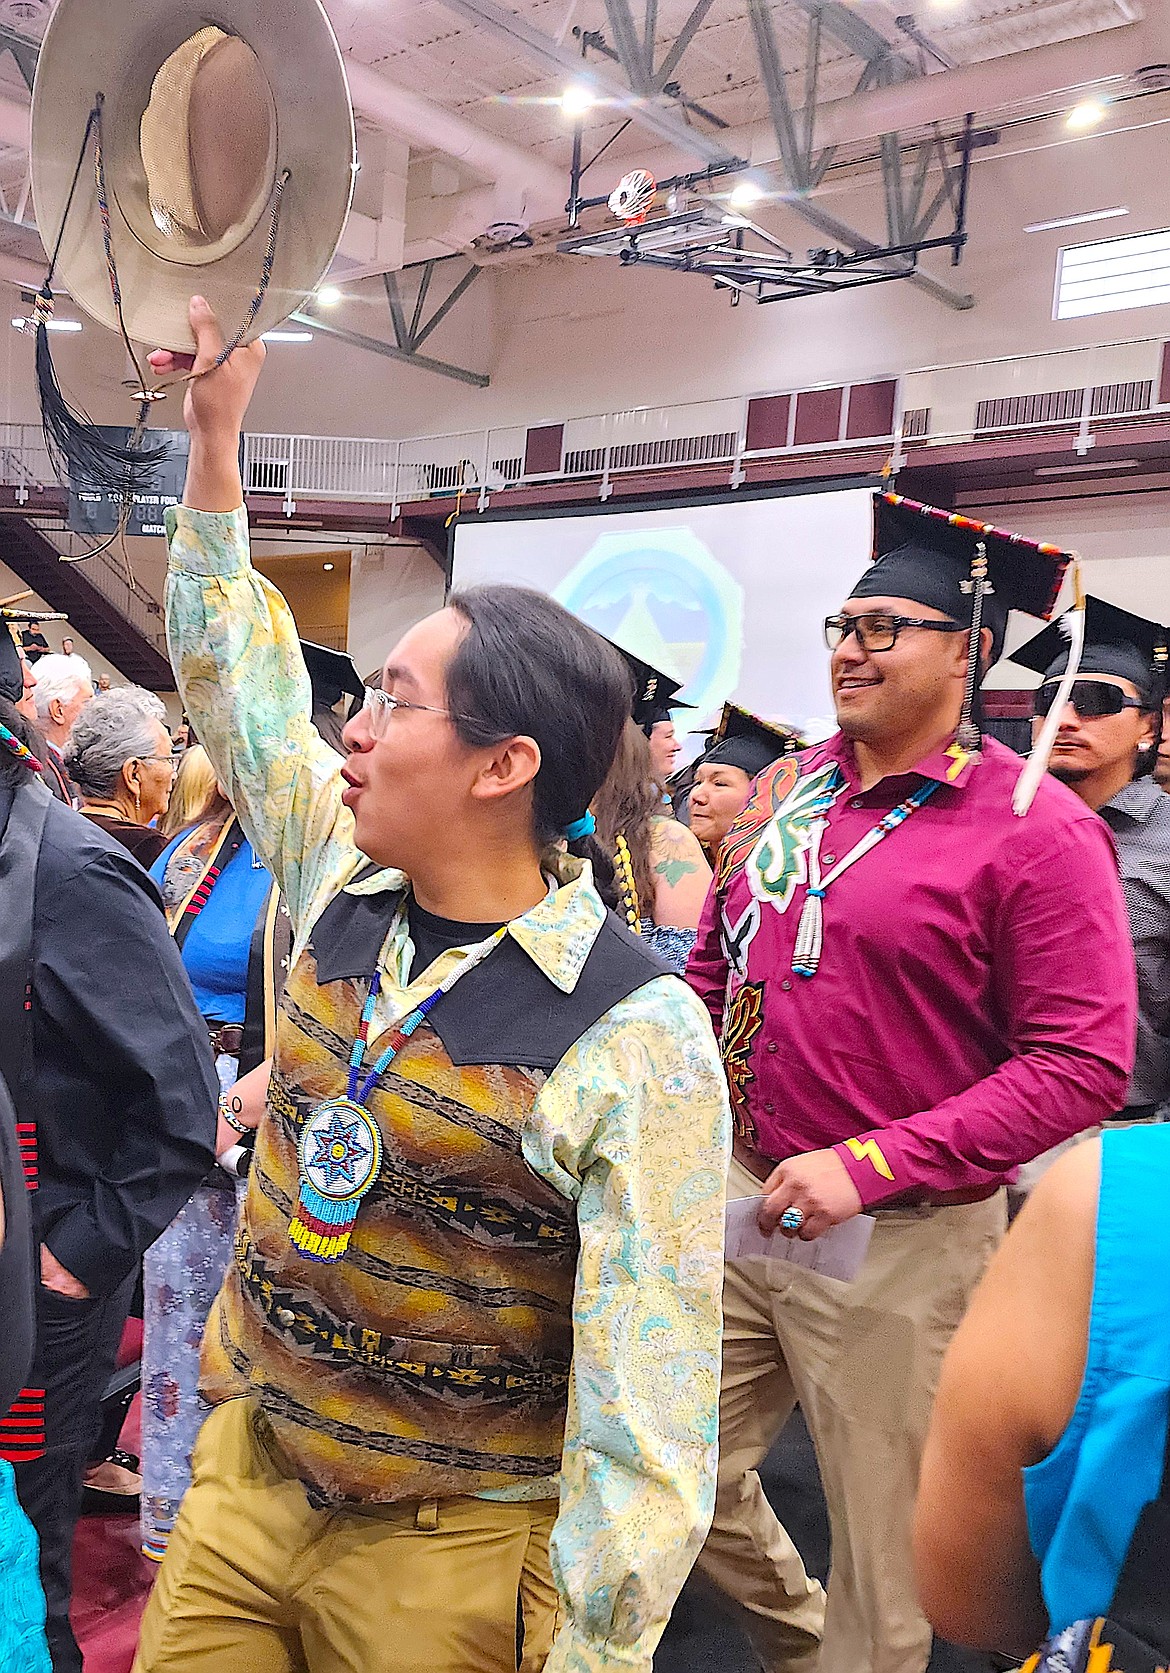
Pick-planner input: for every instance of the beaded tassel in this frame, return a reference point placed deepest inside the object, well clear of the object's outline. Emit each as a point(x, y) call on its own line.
point(21, 751)
point(629, 889)
point(810, 934)
point(968, 736)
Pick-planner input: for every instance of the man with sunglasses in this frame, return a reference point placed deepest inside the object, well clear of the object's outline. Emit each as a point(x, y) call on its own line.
point(1105, 751)
point(916, 991)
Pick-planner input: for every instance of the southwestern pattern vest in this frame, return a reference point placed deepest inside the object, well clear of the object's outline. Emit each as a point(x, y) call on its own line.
point(433, 1359)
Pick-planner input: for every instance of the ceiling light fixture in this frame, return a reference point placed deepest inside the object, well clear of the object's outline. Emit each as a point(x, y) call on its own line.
point(1085, 115)
point(745, 194)
point(1078, 220)
point(328, 296)
point(575, 101)
point(326, 566)
point(51, 325)
point(287, 337)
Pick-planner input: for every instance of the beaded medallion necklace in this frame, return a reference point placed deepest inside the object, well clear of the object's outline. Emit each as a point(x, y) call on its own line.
point(339, 1152)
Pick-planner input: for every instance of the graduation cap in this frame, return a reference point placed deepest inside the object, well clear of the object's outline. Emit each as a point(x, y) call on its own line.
point(930, 556)
point(742, 739)
point(974, 573)
point(331, 673)
point(11, 672)
point(653, 692)
point(1116, 642)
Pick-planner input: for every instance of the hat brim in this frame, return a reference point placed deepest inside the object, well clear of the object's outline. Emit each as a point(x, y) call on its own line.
point(117, 49)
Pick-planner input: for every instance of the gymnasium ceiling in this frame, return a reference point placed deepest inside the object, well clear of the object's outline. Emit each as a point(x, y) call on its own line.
point(461, 126)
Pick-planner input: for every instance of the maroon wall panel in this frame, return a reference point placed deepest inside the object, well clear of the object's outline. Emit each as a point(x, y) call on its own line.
point(871, 410)
point(767, 423)
point(1164, 385)
point(542, 449)
point(818, 416)
point(1007, 705)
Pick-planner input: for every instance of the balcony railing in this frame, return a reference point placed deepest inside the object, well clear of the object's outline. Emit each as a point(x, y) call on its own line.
point(1079, 392)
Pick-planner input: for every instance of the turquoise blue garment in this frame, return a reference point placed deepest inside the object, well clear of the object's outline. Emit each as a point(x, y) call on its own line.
point(1084, 1499)
point(215, 953)
point(22, 1603)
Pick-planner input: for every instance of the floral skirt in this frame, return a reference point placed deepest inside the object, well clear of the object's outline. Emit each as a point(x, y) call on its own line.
point(182, 1274)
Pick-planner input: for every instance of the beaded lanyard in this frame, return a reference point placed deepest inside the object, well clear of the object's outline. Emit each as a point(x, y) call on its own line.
point(339, 1152)
point(810, 932)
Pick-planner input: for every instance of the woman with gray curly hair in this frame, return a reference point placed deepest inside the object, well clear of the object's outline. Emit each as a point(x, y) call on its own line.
point(119, 757)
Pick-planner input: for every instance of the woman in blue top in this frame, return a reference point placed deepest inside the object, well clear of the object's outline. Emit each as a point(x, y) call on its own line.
point(1050, 1424)
point(224, 911)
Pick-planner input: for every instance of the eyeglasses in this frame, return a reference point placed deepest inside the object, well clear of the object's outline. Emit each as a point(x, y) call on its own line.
point(380, 705)
point(877, 630)
point(1092, 699)
point(175, 756)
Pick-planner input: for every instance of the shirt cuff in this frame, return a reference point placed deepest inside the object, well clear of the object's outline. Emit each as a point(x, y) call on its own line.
point(573, 1652)
point(870, 1168)
point(207, 542)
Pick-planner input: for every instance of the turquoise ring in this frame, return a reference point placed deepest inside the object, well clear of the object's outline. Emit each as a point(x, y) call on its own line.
point(792, 1219)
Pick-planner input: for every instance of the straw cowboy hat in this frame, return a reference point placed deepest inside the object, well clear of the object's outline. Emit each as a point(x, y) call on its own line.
point(215, 124)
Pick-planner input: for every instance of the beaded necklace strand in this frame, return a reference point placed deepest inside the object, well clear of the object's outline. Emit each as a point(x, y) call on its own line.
point(810, 932)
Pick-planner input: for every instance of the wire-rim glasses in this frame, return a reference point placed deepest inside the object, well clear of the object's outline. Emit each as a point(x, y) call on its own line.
point(380, 705)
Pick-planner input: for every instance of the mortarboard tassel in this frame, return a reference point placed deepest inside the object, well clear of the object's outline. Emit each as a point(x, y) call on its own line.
point(1036, 765)
point(968, 736)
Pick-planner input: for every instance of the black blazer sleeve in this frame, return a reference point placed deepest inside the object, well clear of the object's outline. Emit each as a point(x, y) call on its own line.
point(110, 991)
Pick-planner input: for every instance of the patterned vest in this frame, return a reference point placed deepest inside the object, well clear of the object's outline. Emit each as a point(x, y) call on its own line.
point(433, 1360)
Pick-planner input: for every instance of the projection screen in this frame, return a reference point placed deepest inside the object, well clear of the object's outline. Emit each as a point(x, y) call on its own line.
point(727, 597)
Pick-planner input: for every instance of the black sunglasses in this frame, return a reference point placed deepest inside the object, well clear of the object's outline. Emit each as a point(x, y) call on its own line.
point(877, 630)
point(1092, 699)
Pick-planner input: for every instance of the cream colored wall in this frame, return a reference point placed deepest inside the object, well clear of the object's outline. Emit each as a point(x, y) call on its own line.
point(391, 587)
point(566, 337)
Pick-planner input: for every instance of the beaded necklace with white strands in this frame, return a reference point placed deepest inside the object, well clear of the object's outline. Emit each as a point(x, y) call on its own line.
point(810, 931)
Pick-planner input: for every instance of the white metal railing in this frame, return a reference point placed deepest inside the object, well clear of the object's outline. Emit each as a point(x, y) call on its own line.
point(1076, 391)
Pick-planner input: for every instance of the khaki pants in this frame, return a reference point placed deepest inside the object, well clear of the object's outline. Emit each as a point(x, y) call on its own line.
point(863, 1361)
point(257, 1581)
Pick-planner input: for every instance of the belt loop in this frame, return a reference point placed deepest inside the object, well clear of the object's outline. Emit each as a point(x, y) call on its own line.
point(427, 1517)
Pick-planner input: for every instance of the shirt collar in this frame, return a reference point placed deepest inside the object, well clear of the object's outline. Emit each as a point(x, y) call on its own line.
point(557, 934)
point(949, 765)
point(1136, 800)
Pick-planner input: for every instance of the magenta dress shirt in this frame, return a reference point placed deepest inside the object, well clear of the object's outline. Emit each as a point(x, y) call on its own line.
point(975, 1002)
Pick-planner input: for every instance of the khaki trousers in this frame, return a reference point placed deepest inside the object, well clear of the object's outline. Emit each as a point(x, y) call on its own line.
point(257, 1581)
point(863, 1361)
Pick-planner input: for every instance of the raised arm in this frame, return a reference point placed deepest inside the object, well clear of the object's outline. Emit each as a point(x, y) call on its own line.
point(234, 647)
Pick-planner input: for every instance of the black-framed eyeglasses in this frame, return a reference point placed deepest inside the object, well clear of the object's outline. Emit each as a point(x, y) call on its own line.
point(1092, 699)
point(878, 630)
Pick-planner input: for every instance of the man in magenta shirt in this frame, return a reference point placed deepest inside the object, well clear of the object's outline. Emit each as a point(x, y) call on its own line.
point(916, 991)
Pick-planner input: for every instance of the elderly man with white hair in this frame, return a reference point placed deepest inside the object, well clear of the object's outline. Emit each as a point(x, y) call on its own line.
point(64, 685)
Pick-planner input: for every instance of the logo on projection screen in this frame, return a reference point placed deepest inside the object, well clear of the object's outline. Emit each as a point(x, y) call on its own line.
point(664, 597)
